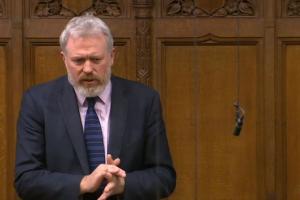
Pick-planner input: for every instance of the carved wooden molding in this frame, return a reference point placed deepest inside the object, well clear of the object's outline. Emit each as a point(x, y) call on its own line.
point(143, 40)
point(47, 8)
point(105, 8)
point(184, 8)
point(50, 8)
point(293, 8)
point(143, 51)
point(230, 8)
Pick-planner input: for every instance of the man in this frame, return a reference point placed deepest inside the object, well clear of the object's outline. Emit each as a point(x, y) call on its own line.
point(91, 135)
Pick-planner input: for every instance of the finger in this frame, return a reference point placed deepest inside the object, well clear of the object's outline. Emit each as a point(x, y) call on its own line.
point(117, 161)
point(103, 196)
point(108, 176)
point(121, 173)
point(107, 192)
point(109, 159)
point(109, 187)
point(92, 182)
point(112, 161)
point(116, 171)
point(100, 168)
point(99, 172)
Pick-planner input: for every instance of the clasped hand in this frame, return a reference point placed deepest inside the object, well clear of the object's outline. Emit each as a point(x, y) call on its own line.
point(110, 172)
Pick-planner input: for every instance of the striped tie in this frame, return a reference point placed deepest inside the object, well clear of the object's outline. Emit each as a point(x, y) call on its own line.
point(93, 136)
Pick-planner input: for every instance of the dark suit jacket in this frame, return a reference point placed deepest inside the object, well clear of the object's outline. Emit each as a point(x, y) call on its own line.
point(51, 155)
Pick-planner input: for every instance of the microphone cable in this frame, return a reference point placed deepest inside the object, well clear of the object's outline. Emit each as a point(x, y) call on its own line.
point(239, 111)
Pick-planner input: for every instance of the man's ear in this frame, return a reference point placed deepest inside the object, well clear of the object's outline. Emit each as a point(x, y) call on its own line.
point(113, 55)
point(62, 55)
point(113, 52)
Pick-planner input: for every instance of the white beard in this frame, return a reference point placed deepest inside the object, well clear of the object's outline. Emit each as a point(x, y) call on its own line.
point(91, 91)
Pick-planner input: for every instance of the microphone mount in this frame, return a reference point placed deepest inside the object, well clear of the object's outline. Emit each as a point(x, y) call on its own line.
point(239, 111)
point(239, 118)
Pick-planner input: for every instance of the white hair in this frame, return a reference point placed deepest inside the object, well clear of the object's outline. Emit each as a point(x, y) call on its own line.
point(85, 25)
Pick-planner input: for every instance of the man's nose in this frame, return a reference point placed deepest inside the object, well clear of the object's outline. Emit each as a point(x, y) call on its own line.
point(87, 66)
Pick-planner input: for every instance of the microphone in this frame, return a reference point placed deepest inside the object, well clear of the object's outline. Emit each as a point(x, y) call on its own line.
point(239, 119)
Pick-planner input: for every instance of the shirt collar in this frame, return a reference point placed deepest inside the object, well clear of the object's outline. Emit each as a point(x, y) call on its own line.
point(105, 95)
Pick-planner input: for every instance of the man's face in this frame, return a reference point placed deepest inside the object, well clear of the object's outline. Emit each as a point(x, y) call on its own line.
point(88, 63)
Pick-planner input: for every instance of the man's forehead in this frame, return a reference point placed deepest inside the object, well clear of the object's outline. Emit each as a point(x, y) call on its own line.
point(76, 36)
point(83, 40)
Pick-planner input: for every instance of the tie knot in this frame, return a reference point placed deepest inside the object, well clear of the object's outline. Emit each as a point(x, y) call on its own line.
point(91, 101)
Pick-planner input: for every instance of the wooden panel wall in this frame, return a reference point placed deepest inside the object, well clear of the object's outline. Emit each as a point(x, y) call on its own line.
point(3, 122)
point(199, 88)
point(208, 55)
point(201, 55)
point(291, 131)
point(11, 88)
point(287, 98)
point(287, 110)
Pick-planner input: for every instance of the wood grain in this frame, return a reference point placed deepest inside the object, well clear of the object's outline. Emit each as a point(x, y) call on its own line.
point(3, 124)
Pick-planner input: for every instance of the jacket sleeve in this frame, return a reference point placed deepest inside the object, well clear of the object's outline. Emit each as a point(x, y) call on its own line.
point(157, 179)
point(32, 179)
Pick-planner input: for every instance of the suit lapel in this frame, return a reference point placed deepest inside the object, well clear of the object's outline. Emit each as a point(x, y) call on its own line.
point(117, 117)
point(69, 107)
